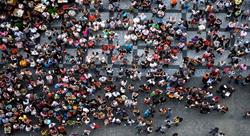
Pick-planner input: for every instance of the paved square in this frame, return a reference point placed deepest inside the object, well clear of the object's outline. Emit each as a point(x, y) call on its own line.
point(194, 124)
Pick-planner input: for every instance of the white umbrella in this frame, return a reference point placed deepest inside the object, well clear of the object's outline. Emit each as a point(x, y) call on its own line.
point(85, 110)
point(72, 13)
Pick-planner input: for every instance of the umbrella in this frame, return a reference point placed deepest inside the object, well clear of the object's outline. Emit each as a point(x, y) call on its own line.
point(238, 2)
point(3, 47)
point(65, 7)
point(23, 63)
point(56, 96)
point(75, 107)
point(68, 94)
point(85, 110)
point(92, 18)
point(72, 13)
point(183, 39)
point(152, 94)
point(155, 56)
point(128, 47)
point(57, 86)
point(91, 43)
point(47, 121)
point(73, 97)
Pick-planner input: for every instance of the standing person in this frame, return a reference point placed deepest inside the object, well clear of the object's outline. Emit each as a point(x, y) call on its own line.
point(175, 134)
point(216, 132)
point(169, 113)
point(173, 3)
point(161, 129)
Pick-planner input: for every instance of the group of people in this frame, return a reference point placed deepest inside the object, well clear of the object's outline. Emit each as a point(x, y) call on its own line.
point(44, 87)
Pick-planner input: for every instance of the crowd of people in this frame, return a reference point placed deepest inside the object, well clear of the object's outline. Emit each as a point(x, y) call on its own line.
point(44, 87)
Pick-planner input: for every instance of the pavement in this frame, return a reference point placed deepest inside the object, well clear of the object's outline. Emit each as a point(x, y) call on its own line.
point(194, 123)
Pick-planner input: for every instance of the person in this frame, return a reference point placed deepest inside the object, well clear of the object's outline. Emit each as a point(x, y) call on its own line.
point(161, 129)
point(177, 120)
point(175, 134)
point(81, 71)
point(173, 3)
point(247, 114)
point(216, 132)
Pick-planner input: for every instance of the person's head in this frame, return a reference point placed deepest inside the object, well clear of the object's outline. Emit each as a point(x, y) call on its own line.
point(175, 134)
point(216, 129)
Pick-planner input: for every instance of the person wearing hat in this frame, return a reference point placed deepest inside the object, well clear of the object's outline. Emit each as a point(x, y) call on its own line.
point(173, 3)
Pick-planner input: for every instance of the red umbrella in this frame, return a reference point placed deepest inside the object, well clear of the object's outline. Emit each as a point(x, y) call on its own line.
point(92, 18)
point(156, 57)
point(83, 78)
point(65, 7)
point(111, 46)
point(91, 43)
point(174, 51)
point(3, 47)
point(105, 47)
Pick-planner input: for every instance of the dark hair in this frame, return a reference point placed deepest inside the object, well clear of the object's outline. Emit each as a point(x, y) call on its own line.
point(175, 134)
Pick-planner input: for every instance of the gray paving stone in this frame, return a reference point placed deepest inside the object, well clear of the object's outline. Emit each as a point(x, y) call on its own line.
point(192, 34)
point(90, 51)
point(168, 5)
point(141, 52)
point(70, 53)
point(194, 54)
point(179, 61)
point(194, 124)
point(171, 15)
point(120, 37)
point(227, 35)
point(222, 17)
point(149, 15)
point(102, 40)
point(125, 4)
point(223, 57)
point(104, 15)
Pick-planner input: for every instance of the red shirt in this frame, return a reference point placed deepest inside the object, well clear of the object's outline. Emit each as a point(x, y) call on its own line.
point(3, 47)
point(207, 43)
